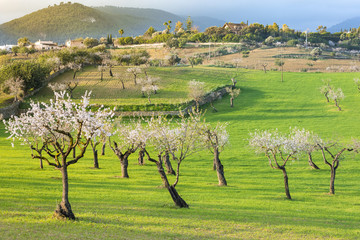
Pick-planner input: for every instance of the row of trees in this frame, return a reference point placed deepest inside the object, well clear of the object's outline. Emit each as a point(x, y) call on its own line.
point(60, 132)
point(249, 32)
point(280, 148)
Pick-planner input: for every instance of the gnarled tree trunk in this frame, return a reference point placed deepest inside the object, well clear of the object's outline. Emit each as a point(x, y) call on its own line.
point(286, 183)
point(231, 102)
point(173, 193)
point(124, 165)
point(219, 169)
point(168, 165)
point(311, 163)
point(63, 210)
point(141, 157)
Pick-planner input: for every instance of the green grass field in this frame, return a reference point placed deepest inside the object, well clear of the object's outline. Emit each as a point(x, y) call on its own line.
point(253, 206)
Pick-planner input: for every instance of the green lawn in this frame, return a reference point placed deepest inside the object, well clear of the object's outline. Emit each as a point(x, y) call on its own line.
point(253, 206)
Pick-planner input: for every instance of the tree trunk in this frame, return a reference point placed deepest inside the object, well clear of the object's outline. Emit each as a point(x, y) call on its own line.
point(123, 85)
point(74, 74)
point(63, 210)
point(327, 98)
point(41, 161)
point(141, 157)
point(214, 165)
point(231, 102)
point(101, 78)
point(337, 104)
point(74, 152)
point(168, 165)
point(173, 193)
point(135, 79)
point(287, 191)
point(124, 166)
point(96, 161)
point(332, 180)
point(103, 149)
point(219, 169)
point(110, 72)
point(311, 163)
point(149, 99)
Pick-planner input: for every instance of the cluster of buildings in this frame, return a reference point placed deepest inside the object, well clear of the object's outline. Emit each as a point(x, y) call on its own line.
point(46, 45)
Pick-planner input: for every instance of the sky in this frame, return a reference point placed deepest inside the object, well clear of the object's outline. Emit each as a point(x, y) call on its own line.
point(297, 14)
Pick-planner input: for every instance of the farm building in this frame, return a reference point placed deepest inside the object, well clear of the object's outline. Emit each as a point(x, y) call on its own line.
point(45, 45)
point(235, 27)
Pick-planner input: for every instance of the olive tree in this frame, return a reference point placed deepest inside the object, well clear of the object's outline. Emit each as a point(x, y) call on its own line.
point(15, 87)
point(56, 128)
point(280, 63)
point(278, 148)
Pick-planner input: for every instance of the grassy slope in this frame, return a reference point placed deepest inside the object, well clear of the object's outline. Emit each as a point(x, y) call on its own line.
point(253, 206)
point(173, 85)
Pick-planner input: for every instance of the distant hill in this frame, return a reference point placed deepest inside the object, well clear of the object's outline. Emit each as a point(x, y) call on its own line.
point(345, 25)
point(72, 20)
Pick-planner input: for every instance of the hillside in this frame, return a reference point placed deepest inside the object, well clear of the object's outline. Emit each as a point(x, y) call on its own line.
point(346, 25)
point(64, 21)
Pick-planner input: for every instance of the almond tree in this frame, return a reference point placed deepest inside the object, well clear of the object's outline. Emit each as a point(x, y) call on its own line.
point(122, 78)
point(130, 136)
point(179, 139)
point(311, 142)
point(102, 69)
point(332, 154)
point(336, 95)
point(233, 92)
point(75, 67)
point(278, 148)
point(56, 129)
point(325, 89)
point(215, 139)
point(196, 91)
point(67, 85)
point(134, 71)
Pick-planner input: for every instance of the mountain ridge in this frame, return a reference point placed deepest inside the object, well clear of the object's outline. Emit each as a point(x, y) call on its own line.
point(73, 20)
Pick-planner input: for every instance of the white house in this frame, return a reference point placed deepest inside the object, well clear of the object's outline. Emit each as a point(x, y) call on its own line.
point(45, 45)
point(7, 47)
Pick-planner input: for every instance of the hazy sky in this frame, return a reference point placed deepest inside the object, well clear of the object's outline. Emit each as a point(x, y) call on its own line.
point(298, 14)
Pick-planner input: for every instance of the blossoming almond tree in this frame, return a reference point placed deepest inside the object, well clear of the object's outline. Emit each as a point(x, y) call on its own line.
point(130, 136)
point(278, 148)
point(332, 154)
point(215, 139)
point(336, 95)
point(55, 129)
point(179, 139)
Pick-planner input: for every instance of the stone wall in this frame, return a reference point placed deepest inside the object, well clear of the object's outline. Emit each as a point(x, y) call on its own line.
point(210, 97)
